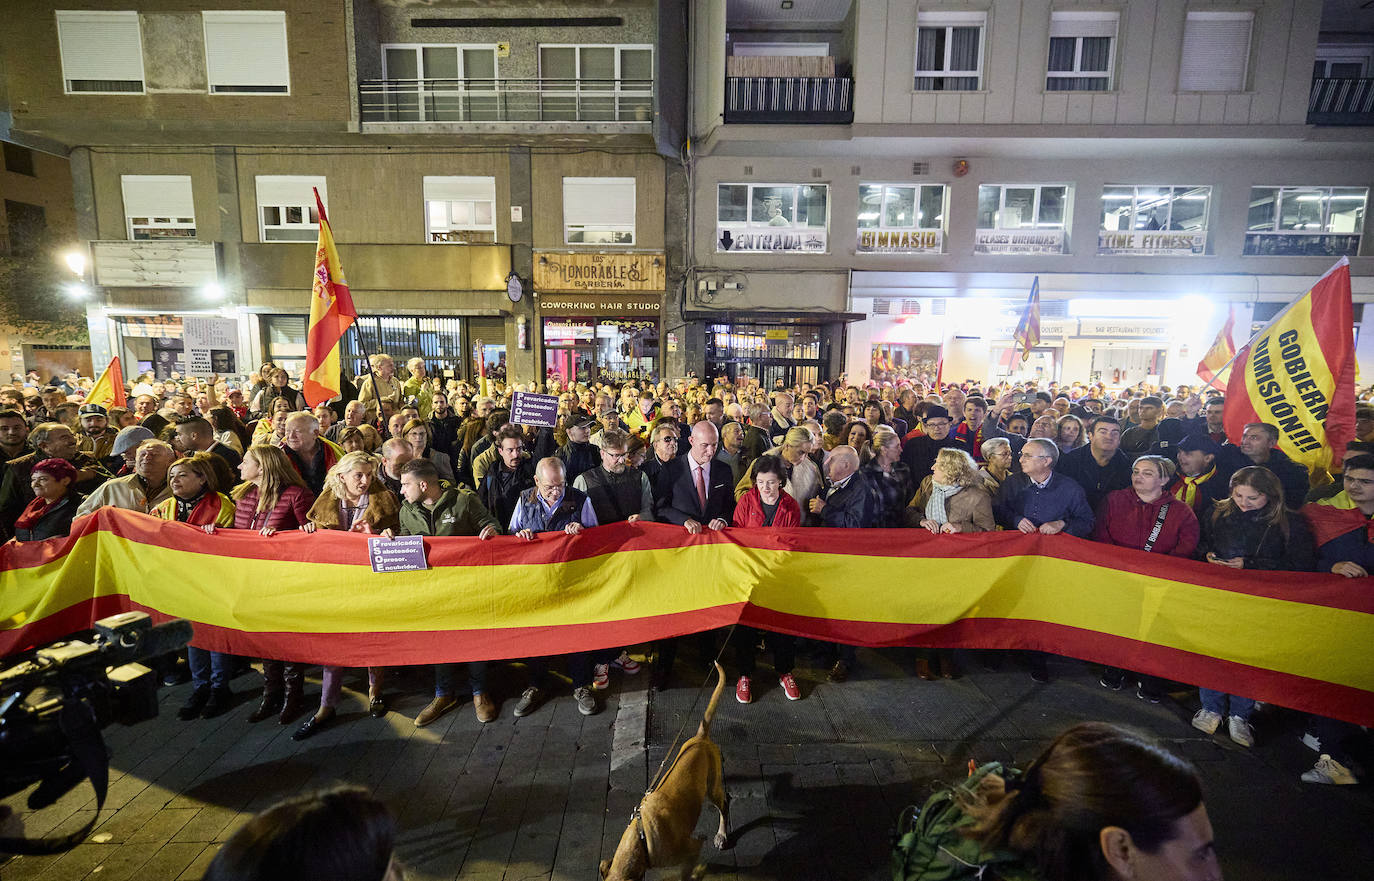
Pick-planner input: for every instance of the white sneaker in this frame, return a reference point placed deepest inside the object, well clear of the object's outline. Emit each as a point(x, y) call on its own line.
point(1206, 721)
point(1328, 770)
point(601, 677)
point(1240, 731)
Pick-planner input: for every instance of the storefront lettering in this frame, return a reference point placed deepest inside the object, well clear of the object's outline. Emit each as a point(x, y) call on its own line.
point(598, 305)
point(1130, 243)
point(1009, 242)
point(746, 241)
point(901, 241)
point(599, 272)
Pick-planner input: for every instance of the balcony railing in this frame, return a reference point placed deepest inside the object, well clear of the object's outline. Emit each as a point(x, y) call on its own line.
point(1341, 101)
point(506, 100)
point(806, 100)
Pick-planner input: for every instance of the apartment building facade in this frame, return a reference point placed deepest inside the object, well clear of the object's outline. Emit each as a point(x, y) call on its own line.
point(490, 176)
point(877, 184)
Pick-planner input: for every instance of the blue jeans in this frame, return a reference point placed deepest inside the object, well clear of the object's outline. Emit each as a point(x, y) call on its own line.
point(1216, 702)
point(211, 669)
point(446, 678)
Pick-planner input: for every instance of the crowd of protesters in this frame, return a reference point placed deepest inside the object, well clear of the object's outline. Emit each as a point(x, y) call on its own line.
point(406, 453)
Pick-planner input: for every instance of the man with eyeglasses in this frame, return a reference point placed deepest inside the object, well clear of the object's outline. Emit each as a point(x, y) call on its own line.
point(919, 452)
point(619, 494)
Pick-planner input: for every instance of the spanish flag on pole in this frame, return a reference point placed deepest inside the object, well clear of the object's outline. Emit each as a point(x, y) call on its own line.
point(1299, 374)
point(108, 390)
point(1213, 368)
point(1028, 329)
point(331, 315)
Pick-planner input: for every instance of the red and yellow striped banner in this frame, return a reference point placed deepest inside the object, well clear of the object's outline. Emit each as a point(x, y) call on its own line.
point(1299, 641)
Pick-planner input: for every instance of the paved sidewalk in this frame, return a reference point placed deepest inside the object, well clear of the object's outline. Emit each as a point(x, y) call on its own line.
point(816, 784)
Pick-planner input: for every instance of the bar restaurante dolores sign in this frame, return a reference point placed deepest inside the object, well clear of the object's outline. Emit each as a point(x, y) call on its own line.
point(586, 273)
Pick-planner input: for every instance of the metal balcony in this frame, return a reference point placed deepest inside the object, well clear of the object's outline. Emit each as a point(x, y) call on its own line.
point(1341, 101)
point(482, 101)
point(790, 100)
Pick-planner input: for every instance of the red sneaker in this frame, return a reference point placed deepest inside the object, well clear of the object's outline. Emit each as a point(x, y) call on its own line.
point(789, 687)
point(742, 692)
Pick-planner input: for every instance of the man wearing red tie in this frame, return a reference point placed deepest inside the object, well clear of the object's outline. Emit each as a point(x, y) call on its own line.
point(695, 490)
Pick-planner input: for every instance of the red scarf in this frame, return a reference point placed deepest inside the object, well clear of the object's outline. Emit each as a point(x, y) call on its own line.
point(1331, 518)
point(35, 512)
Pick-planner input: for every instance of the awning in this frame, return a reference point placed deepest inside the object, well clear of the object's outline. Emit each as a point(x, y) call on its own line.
point(736, 317)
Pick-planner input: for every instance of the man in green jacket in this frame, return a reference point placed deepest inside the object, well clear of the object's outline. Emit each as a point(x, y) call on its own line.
point(431, 509)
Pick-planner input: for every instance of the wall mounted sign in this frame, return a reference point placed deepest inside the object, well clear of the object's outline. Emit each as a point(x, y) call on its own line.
point(610, 305)
point(1151, 243)
point(901, 241)
point(1015, 241)
point(599, 272)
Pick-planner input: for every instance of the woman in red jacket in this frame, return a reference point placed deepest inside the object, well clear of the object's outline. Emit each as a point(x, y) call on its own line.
point(273, 497)
point(765, 504)
point(1145, 517)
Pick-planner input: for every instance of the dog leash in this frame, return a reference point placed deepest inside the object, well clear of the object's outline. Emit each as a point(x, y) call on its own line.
point(686, 719)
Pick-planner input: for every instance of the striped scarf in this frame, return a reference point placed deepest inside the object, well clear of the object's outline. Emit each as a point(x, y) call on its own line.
point(1186, 491)
point(935, 505)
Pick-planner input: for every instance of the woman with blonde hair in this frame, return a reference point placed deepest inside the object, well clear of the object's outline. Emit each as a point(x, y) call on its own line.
point(380, 385)
point(354, 500)
point(952, 499)
point(273, 497)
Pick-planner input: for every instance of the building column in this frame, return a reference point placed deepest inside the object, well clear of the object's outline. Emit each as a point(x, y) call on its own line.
point(677, 192)
point(522, 365)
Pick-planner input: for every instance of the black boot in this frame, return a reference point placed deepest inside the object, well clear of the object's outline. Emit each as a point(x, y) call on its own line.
point(220, 700)
point(293, 703)
point(272, 703)
point(194, 704)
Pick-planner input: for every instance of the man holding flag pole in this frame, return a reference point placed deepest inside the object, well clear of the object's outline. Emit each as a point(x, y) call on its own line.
point(1297, 375)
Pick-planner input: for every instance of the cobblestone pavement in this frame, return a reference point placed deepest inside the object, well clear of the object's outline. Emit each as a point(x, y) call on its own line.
point(815, 784)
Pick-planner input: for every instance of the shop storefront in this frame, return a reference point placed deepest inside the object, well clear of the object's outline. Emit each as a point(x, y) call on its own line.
point(185, 344)
point(599, 316)
point(773, 351)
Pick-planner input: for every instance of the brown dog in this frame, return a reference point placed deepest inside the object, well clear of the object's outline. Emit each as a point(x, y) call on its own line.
point(661, 832)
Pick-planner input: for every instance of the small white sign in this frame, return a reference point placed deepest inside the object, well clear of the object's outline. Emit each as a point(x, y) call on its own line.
point(517, 214)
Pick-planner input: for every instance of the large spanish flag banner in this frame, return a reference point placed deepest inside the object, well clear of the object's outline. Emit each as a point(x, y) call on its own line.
point(1214, 367)
point(331, 315)
point(1299, 374)
point(1299, 641)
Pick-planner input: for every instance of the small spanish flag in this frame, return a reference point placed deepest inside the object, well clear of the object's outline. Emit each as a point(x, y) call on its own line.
point(1028, 328)
point(1214, 368)
point(331, 315)
point(108, 390)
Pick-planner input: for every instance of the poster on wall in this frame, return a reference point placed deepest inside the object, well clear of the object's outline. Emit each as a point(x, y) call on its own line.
point(210, 345)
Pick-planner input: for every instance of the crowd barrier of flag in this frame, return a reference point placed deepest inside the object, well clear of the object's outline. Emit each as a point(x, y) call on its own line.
point(1295, 640)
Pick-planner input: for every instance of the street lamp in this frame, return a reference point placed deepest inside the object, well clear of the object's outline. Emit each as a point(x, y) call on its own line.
point(76, 262)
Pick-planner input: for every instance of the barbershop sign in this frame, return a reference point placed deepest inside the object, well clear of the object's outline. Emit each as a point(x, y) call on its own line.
point(1015, 241)
point(901, 241)
point(1149, 243)
point(598, 272)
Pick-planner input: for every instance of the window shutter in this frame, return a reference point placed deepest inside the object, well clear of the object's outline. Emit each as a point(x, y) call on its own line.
point(289, 190)
point(1216, 52)
point(100, 47)
point(157, 195)
point(246, 51)
point(599, 201)
point(460, 189)
point(1083, 24)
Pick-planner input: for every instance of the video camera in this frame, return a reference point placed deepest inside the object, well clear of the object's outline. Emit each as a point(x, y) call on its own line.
point(55, 700)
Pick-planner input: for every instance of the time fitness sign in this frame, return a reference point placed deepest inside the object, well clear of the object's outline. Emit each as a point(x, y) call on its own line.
point(591, 273)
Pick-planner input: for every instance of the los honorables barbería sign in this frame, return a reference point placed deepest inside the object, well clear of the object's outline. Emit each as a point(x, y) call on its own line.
point(598, 272)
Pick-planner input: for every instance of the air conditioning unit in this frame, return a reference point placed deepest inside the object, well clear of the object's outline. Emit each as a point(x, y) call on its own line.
point(881, 307)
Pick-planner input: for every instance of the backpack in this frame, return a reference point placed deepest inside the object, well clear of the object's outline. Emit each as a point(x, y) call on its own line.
point(930, 846)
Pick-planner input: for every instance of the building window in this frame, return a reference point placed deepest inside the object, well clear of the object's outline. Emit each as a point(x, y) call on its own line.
point(1082, 52)
point(901, 218)
point(102, 52)
point(460, 209)
point(1022, 219)
point(1216, 52)
point(949, 51)
point(158, 206)
point(772, 217)
point(1154, 221)
point(1317, 221)
point(599, 210)
point(440, 83)
point(28, 228)
point(245, 53)
point(18, 160)
point(286, 207)
point(591, 83)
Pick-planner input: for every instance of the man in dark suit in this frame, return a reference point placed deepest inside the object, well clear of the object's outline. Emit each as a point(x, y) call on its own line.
point(695, 491)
